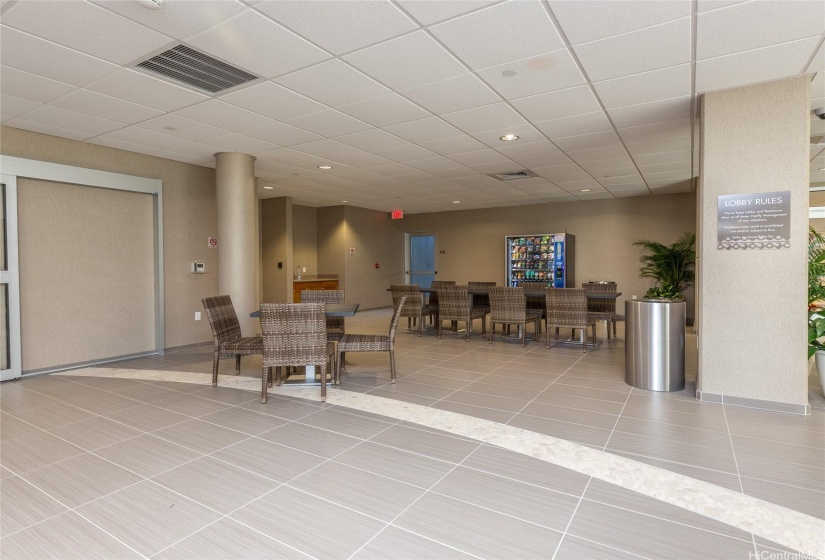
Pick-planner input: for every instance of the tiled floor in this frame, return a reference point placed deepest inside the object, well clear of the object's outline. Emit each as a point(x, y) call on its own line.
point(103, 467)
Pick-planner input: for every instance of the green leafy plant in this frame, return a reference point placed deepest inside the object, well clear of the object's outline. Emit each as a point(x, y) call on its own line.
point(671, 266)
point(816, 291)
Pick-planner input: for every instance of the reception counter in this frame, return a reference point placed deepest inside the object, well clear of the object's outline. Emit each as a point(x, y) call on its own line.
point(319, 282)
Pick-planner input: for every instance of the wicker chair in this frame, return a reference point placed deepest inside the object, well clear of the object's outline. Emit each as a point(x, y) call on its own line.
point(295, 334)
point(603, 309)
point(567, 308)
point(371, 342)
point(536, 302)
point(334, 324)
point(414, 307)
point(481, 301)
point(454, 305)
point(226, 334)
point(434, 287)
point(508, 306)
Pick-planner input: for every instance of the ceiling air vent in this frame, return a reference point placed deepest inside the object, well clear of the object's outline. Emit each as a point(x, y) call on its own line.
point(195, 69)
point(512, 175)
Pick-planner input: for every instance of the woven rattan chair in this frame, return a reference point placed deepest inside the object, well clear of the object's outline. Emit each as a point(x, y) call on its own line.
point(433, 299)
point(508, 306)
point(567, 308)
point(454, 305)
point(481, 301)
point(295, 334)
point(536, 302)
point(226, 334)
point(414, 306)
point(371, 342)
point(334, 324)
point(603, 309)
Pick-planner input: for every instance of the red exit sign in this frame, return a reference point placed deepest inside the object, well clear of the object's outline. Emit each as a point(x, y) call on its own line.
point(397, 214)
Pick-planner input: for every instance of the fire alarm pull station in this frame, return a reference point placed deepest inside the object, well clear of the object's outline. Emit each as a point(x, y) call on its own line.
point(377, 265)
point(198, 267)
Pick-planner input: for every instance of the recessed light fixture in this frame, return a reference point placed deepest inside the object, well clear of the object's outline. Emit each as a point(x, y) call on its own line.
point(269, 188)
point(822, 168)
point(169, 128)
point(345, 201)
point(508, 73)
point(324, 167)
point(509, 137)
point(585, 190)
point(456, 202)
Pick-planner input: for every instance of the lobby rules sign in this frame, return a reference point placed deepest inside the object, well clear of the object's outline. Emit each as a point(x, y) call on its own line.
point(754, 221)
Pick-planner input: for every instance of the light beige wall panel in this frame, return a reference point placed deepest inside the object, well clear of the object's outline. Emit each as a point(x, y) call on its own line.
point(332, 244)
point(753, 337)
point(305, 238)
point(276, 246)
point(189, 218)
point(818, 224)
point(86, 273)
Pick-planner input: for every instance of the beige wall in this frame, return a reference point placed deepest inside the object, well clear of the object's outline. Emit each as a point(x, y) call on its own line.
point(752, 337)
point(305, 239)
point(189, 218)
point(332, 243)
point(276, 246)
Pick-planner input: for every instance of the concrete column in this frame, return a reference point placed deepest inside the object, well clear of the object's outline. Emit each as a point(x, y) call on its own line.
point(238, 235)
point(752, 330)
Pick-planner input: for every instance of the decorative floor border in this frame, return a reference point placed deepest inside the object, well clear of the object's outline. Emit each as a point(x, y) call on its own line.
point(784, 526)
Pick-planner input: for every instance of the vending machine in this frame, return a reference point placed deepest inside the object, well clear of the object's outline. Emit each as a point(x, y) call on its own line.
point(546, 257)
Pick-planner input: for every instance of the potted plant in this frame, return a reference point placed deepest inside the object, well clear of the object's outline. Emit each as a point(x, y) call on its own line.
point(816, 301)
point(671, 266)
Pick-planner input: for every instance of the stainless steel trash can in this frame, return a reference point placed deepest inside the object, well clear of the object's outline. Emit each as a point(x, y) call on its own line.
point(655, 344)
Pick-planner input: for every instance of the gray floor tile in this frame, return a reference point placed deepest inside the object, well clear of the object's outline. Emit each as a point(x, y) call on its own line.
point(147, 393)
point(12, 427)
point(725, 479)
point(501, 390)
point(216, 484)
point(574, 415)
point(181, 387)
point(791, 474)
point(446, 448)
point(63, 537)
point(94, 433)
point(165, 517)
point(310, 439)
point(791, 421)
point(396, 464)
point(536, 385)
point(53, 416)
point(356, 489)
point(229, 539)
point(405, 397)
point(476, 411)
point(780, 434)
point(587, 392)
point(147, 455)
point(146, 417)
point(227, 395)
point(347, 424)
point(695, 455)
point(396, 544)
point(487, 401)
point(799, 499)
point(618, 386)
point(23, 505)
point(476, 530)
point(779, 451)
point(563, 430)
point(110, 402)
point(5, 473)
point(571, 401)
point(345, 532)
point(683, 434)
point(268, 459)
point(698, 421)
point(14, 400)
point(289, 409)
point(242, 420)
point(652, 537)
point(443, 377)
point(200, 436)
point(410, 385)
point(81, 479)
point(114, 384)
point(664, 402)
point(190, 405)
point(523, 501)
point(35, 451)
point(574, 548)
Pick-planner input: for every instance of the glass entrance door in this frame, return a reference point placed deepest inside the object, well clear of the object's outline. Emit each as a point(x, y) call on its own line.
point(9, 288)
point(421, 265)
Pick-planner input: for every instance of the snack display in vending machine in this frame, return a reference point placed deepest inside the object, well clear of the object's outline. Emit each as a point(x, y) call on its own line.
point(546, 257)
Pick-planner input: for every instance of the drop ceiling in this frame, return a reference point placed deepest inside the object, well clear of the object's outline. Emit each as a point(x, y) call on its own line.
point(407, 100)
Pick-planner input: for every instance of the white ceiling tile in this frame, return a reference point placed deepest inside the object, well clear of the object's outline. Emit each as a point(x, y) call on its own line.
point(11, 106)
point(818, 61)
point(358, 175)
point(333, 83)
point(769, 63)
point(481, 39)
point(282, 134)
point(453, 94)
point(554, 172)
point(241, 40)
point(240, 143)
point(658, 178)
point(544, 161)
point(407, 152)
point(62, 118)
point(525, 133)
point(177, 19)
point(142, 89)
point(707, 5)
point(645, 87)
point(669, 145)
point(31, 54)
point(424, 130)
point(574, 126)
point(518, 150)
point(340, 26)
point(99, 105)
point(392, 169)
point(31, 86)
point(135, 135)
point(547, 72)
point(128, 146)
point(183, 128)
point(288, 156)
point(596, 19)
point(672, 187)
point(656, 47)
point(496, 167)
point(273, 101)
point(480, 182)
point(613, 152)
point(454, 145)
point(385, 110)
point(626, 187)
point(482, 119)
point(329, 123)
point(371, 140)
point(408, 61)
point(558, 104)
point(656, 132)
point(437, 163)
point(48, 129)
point(87, 28)
point(328, 149)
point(486, 155)
point(572, 180)
point(363, 159)
point(196, 150)
point(663, 157)
point(627, 193)
point(649, 113)
point(593, 141)
point(623, 180)
point(223, 115)
point(271, 166)
point(683, 166)
point(757, 24)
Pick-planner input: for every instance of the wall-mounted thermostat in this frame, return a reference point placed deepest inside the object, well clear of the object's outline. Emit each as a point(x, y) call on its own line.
point(198, 267)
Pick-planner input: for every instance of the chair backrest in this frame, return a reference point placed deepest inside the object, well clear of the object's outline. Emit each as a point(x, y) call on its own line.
point(533, 286)
point(436, 284)
point(222, 318)
point(294, 334)
point(322, 296)
point(413, 302)
point(396, 315)
point(601, 305)
point(566, 307)
point(453, 301)
point(507, 304)
point(480, 300)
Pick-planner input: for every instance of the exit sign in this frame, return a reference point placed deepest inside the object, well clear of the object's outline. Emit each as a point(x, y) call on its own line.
point(397, 214)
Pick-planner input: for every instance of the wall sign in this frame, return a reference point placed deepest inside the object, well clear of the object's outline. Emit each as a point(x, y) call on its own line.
point(212, 242)
point(754, 221)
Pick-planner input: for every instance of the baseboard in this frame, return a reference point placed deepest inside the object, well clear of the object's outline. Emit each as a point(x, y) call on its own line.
point(192, 346)
point(773, 406)
point(78, 365)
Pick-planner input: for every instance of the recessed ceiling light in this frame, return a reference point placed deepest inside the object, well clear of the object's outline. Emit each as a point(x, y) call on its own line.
point(822, 168)
point(345, 201)
point(509, 137)
point(169, 128)
point(269, 188)
point(456, 202)
point(585, 190)
point(509, 73)
point(324, 167)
